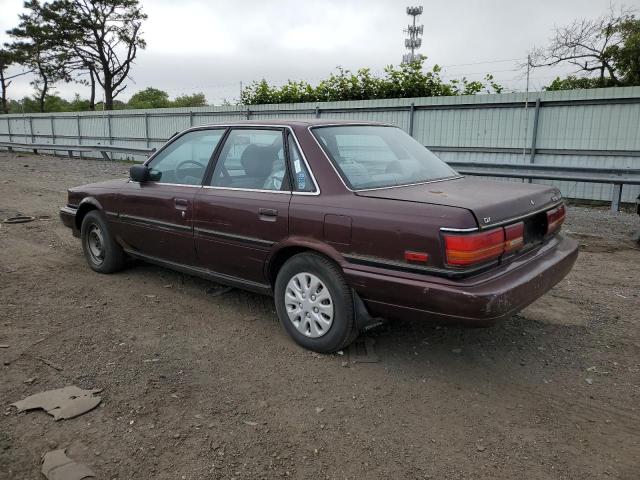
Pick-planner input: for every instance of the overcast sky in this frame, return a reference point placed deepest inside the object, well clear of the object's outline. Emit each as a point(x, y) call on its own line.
point(210, 46)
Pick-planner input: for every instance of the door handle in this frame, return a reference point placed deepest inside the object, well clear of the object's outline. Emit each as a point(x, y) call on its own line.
point(180, 203)
point(268, 214)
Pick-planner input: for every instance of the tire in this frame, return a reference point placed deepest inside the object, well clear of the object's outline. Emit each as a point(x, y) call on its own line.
point(305, 316)
point(100, 249)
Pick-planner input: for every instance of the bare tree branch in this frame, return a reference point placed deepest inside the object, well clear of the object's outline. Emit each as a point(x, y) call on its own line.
point(587, 44)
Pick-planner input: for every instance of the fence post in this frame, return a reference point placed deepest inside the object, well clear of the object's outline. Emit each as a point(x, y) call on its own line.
point(33, 138)
point(79, 134)
point(146, 128)
point(109, 127)
point(191, 118)
point(317, 111)
point(248, 113)
point(534, 135)
point(616, 197)
point(53, 132)
point(9, 127)
point(412, 109)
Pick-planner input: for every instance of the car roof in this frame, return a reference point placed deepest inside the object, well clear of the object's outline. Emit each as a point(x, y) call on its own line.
point(313, 122)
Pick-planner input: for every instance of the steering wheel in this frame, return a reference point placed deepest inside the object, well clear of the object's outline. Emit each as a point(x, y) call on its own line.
point(176, 170)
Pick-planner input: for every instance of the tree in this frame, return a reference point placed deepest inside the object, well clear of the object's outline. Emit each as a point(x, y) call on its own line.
point(626, 55)
point(105, 35)
point(572, 82)
point(36, 46)
point(149, 98)
point(405, 81)
point(193, 100)
point(594, 46)
point(7, 59)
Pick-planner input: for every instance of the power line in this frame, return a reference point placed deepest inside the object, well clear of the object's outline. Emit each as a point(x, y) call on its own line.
point(482, 63)
point(481, 73)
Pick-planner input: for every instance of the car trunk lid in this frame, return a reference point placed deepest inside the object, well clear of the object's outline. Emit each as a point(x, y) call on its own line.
point(491, 202)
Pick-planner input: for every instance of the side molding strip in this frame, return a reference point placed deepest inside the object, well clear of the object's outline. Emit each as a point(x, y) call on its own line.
point(262, 288)
point(230, 236)
point(149, 222)
point(405, 267)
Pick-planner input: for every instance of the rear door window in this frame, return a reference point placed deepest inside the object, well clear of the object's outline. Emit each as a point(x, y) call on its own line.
point(252, 159)
point(302, 181)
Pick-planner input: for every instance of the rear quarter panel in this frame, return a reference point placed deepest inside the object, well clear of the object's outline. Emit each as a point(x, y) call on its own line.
point(379, 228)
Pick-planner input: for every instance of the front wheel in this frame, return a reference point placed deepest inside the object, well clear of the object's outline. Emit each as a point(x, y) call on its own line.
point(314, 303)
point(102, 252)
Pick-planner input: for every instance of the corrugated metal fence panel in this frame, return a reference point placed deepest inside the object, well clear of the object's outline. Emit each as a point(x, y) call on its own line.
point(597, 119)
point(127, 127)
point(42, 129)
point(94, 128)
point(596, 127)
point(66, 129)
point(486, 127)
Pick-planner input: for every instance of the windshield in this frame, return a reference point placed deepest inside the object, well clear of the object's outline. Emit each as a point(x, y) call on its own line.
point(372, 156)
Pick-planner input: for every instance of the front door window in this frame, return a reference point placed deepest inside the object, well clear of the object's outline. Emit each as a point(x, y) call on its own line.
point(185, 160)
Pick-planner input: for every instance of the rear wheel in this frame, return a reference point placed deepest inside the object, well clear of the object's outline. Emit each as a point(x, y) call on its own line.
point(315, 304)
point(102, 252)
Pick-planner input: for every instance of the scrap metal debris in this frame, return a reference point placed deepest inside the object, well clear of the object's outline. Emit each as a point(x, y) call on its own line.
point(19, 219)
point(49, 363)
point(57, 466)
point(63, 403)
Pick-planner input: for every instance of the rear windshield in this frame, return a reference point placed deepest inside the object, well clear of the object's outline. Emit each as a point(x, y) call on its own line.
point(371, 156)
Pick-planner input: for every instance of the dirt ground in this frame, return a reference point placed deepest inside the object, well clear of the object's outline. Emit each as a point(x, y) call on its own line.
point(198, 385)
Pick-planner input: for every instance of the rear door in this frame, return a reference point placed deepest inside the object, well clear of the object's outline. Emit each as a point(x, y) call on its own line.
point(155, 218)
point(243, 209)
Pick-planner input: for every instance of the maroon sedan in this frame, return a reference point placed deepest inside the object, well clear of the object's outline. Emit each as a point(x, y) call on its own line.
point(343, 223)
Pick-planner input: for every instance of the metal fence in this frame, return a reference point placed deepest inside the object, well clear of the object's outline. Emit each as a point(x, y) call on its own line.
point(597, 128)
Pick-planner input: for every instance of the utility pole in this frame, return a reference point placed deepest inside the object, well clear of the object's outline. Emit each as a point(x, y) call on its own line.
point(526, 107)
point(414, 31)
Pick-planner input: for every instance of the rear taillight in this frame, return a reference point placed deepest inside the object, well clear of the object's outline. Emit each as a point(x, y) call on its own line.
point(513, 237)
point(555, 218)
point(465, 250)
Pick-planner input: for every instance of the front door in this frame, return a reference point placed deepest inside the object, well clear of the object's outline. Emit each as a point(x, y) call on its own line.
point(155, 218)
point(243, 209)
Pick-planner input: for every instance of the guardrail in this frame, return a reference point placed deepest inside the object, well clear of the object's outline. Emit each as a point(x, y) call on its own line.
point(617, 177)
point(56, 147)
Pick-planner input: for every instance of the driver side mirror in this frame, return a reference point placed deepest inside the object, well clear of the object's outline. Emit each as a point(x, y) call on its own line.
point(139, 173)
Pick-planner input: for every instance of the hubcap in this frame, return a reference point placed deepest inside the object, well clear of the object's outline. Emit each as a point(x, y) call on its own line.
point(309, 305)
point(95, 244)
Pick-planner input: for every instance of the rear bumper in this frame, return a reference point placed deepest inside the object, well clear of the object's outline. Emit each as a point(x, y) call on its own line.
point(68, 217)
point(482, 300)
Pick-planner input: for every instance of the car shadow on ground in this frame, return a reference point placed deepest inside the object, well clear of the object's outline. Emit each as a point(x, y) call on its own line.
point(417, 348)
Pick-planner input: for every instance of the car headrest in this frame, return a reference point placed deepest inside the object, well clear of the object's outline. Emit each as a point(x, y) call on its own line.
point(257, 160)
